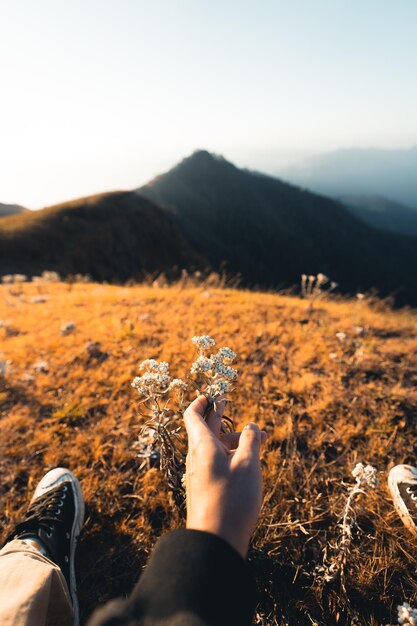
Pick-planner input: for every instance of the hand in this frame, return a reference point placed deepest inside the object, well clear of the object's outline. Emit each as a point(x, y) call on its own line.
point(223, 476)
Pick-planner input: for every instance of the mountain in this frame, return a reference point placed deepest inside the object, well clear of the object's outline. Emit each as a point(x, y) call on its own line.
point(383, 213)
point(271, 232)
point(112, 236)
point(360, 172)
point(10, 209)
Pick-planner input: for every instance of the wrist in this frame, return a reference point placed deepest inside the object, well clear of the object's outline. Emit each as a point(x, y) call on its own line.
point(239, 543)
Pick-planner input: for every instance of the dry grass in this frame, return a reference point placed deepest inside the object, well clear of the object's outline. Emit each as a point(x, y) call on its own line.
point(323, 415)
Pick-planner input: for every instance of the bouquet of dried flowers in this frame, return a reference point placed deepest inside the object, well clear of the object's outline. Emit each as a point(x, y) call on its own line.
point(161, 441)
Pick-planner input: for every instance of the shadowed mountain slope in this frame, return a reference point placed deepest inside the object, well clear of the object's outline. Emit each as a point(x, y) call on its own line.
point(383, 213)
point(11, 209)
point(110, 236)
point(271, 232)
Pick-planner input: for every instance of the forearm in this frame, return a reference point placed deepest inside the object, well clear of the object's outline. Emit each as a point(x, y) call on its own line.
point(192, 579)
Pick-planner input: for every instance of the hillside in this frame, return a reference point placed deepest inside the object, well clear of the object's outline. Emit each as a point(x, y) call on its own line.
point(112, 236)
point(383, 213)
point(10, 209)
point(271, 232)
point(326, 401)
point(360, 172)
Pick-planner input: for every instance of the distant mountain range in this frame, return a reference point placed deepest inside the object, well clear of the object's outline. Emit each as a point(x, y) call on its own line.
point(205, 213)
point(383, 213)
point(361, 172)
point(11, 209)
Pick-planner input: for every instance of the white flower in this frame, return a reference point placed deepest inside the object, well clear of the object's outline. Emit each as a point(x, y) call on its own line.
point(151, 365)
point(226, 354)
point(203, 342)
point(407, 615)
point(341, 337)
point(7, 279)
point(360, 296)
point(156, 379)
point(218, 388)
point(322, 278)
point(177, 383)
point(41, 366)
point(68, 328)
point(333, 356)
point(19, 278)
point(50, 277)
point(365, 475)
point(225, 371)
point(202, 364)
point(3, 368)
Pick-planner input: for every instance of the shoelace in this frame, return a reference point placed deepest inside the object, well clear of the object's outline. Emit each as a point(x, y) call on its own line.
point(45, 512)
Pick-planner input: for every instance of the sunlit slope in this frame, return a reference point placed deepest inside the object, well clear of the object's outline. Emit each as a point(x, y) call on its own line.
point(326, 401)
point(113, 236)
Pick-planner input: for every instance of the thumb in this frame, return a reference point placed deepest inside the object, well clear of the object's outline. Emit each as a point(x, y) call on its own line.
point(214, 417)
point(194, 420)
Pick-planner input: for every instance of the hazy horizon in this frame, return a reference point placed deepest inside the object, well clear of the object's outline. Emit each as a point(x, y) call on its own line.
point(101, 96)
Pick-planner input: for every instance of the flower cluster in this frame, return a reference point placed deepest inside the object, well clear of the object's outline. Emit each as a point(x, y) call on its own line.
point(365, 475)
point(312, 286)
point(407, 615)
point(204, 342)
point(162, 440)
point(179, 384)
point(214, 372)
point(48, 276)
point(41, 367)
point(155, 380)
point(350, 349)
point(9, 279)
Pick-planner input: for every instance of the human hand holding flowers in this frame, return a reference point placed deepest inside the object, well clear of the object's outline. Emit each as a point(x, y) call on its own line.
point(223, 476)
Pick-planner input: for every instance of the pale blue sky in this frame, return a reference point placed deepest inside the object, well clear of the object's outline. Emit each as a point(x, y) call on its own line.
point(104, 94)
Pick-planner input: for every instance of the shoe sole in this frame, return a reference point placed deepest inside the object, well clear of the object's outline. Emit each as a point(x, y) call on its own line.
point(399, 504)
point(49, 481)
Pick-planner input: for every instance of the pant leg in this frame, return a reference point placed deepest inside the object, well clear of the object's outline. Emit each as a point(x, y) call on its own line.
point(33, 590)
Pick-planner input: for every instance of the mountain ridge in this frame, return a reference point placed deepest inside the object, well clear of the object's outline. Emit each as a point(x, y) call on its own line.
point(271, 231)
point(111, 236)
point(207, 214)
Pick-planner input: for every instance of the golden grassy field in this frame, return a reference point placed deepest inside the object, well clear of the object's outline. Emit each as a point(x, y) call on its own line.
point(326, 401)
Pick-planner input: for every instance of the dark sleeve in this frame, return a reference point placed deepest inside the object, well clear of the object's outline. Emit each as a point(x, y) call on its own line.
point(193, 578)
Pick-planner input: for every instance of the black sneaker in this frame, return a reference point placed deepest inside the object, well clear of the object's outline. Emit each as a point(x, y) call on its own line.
point(54, 518)
point(402, 482)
